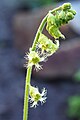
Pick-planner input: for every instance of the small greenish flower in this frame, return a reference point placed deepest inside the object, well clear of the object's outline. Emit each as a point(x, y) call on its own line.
point(34, 59)
point(36, 96)
point(47, 45)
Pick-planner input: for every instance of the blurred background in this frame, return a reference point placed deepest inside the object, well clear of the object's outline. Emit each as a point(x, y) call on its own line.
point(19, 20)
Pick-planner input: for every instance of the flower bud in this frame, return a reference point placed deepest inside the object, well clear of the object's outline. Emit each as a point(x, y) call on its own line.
point(69, 16)
point(72, 11)
point(66, 6)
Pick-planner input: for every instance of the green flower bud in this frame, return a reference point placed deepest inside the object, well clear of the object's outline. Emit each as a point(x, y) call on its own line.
point(66, 6)
point(72, 11)
point(69, 16)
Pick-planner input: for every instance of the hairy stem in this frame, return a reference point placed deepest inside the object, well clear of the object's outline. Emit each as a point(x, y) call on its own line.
point(28, 75)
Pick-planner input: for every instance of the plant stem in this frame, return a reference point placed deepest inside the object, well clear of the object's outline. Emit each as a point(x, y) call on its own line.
point(26, 95)
point(28, 75)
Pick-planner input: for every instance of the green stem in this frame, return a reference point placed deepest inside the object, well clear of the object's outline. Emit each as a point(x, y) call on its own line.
point(26, 95)
point(28, 76)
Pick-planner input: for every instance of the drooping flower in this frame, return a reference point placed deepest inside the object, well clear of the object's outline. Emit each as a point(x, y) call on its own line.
point(36, 96)
point(47, 45)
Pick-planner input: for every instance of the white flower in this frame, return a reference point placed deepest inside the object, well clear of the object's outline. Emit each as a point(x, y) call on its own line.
point(36, 96)
point(33, 58)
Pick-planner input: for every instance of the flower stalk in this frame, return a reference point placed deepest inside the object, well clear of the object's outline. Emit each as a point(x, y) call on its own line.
point(26, 95)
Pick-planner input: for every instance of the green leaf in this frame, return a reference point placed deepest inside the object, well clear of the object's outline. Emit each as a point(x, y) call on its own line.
point(74, 107)
point(77, 76)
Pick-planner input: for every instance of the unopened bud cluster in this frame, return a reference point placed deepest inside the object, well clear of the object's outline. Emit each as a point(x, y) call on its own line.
point(54, 21)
